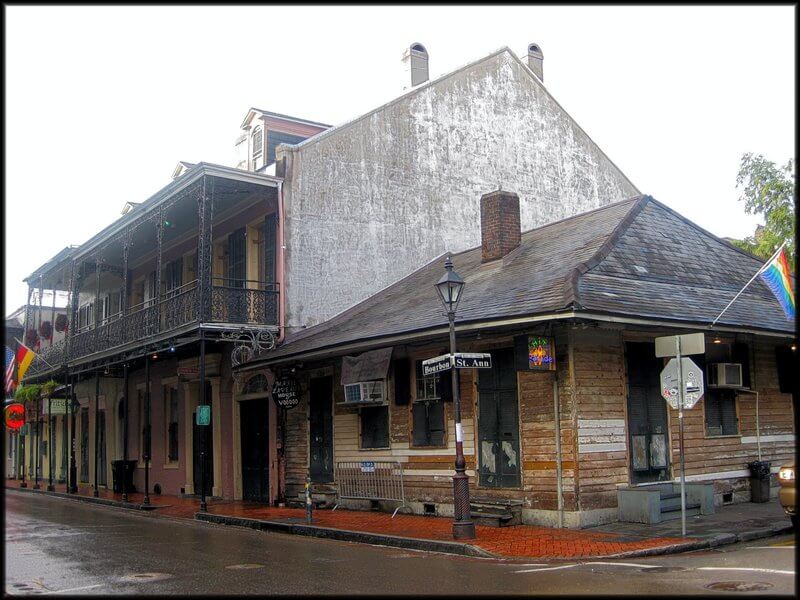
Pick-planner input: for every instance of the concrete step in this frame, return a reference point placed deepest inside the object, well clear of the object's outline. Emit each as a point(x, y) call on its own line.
point(675, 513)
point(491, 519)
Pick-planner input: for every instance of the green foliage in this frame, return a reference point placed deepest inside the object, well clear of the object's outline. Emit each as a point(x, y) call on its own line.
point(30, 392)
point(768, 190)
point(48, 387)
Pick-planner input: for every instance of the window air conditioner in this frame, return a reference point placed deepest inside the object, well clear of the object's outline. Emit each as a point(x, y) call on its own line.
point(725, 375)
point(365, 392)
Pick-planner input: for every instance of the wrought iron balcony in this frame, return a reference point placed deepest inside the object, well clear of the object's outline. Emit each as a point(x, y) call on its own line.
point(48, 359)
point(232, 301)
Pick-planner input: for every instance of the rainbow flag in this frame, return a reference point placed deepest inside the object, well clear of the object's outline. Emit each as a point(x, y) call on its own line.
point(777, 276)
point(25, 357)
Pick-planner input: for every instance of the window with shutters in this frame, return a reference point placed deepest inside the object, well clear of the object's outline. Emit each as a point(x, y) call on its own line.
point(258, 142)
point(427, 410)
point(236, 265)
point(173, 278)
point(374, 426)
point(720, 409)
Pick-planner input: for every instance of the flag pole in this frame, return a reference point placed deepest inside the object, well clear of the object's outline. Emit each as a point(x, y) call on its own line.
point(748, 283)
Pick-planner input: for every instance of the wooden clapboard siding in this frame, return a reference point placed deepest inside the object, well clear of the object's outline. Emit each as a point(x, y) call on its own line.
point(718, 454)
point(600, 394)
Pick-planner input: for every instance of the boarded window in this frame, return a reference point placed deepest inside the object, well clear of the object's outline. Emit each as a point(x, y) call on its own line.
point(428, 423)
point(258, 142)
point(374, 426)
point(402, 381)
point(720, 408)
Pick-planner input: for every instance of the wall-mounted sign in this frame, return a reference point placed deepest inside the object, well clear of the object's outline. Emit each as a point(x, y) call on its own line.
point(472, 360)
point(367, 466)
point(286, 392)
point(204, 414)
point(14, 416)
point(57, 406)
point(537, 353)
point(437, 364)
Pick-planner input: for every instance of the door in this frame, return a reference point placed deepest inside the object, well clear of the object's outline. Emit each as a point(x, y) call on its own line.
point(85, 445)
point(236, 277)
point(647, 415)
point(321, 430)
point(208, 439)
point(498, 422)
point(253, 416)
point(64, 449)
point(101, 459)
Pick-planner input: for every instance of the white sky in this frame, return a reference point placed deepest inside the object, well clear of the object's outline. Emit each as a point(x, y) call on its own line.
point(102, 102)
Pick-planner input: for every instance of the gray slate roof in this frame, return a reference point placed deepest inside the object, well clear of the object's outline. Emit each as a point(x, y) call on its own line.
point(622, 259)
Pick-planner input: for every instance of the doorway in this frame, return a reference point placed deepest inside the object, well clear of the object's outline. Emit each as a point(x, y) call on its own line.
point(320, 430)
point(101, 439)
point(84, 445)
point(206, 432)
point(647, 415)
point(253, 418)
point(498, 422)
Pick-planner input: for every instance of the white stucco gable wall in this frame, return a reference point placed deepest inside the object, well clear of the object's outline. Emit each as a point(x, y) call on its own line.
point(370, 201)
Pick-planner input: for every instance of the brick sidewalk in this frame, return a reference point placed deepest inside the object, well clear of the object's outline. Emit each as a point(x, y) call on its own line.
point(522, 541)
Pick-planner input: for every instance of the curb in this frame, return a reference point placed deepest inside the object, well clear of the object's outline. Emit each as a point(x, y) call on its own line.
point(350, 536)
point(721, 539)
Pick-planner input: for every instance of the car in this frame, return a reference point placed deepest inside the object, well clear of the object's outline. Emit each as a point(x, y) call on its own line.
point(786, 494)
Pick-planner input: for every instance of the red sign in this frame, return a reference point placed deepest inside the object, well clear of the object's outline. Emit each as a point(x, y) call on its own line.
point(14, 415)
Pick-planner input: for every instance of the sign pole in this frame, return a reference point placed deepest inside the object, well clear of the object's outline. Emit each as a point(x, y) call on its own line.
point(680, 435)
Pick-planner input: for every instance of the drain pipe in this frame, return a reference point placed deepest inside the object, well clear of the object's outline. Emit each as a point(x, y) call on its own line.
point(281, 271)
point(559, 489)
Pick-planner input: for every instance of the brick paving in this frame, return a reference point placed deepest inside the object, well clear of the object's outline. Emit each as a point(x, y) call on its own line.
point(521, 541)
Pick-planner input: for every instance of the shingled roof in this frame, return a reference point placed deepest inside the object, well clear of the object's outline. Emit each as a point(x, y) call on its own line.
point(635, 258)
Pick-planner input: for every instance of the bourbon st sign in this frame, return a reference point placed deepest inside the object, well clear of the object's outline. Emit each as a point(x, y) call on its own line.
point(459, 360)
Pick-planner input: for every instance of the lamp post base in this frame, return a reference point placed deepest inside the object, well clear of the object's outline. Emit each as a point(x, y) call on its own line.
point(96, 494)
point(51, 488)
point(36, 486)
point(23, 485)
point(463, 530)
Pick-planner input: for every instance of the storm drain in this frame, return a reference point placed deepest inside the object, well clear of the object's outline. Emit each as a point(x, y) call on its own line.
point(245, 566)
point(145, 577)
point(739, 586)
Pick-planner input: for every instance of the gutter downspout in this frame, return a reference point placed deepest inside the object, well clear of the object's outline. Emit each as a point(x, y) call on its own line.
point(281, 275)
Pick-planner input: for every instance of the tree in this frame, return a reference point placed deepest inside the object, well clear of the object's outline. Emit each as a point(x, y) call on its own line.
point(768, 190)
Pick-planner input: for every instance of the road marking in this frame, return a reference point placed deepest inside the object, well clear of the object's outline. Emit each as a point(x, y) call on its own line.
point(775, 547)
point(86, 587)
point(545, 569)
point(777, 571)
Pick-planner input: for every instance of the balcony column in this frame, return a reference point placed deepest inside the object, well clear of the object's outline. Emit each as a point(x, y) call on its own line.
point(147, 432)
point(125, 414)
point(41, 303)
point(96, 492)
point(72, 486)
point(204, 252)
point(123, 302)
point(96, 292)
point(72, 309)
point(53, 318)
point(159, 239)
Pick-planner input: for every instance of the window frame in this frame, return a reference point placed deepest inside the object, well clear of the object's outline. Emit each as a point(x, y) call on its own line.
point(728, 394)
point(361, 411)
point(169, 420)
point(418, 401)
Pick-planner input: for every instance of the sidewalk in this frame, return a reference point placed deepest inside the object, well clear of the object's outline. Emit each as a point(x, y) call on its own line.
point(730, 524)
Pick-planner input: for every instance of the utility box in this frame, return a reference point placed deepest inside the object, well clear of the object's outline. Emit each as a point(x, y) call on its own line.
point(120, 469)
point(759, 480)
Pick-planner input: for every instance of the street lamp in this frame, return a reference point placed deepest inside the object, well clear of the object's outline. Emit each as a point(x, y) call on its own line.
point(450, 287)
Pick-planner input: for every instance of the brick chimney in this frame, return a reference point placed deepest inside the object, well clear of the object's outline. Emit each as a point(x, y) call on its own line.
point(500, 228)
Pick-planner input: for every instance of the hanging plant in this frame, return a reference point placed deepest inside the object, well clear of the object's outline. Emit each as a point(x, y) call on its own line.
point(46, 330)
point(61, 323)
point(29, 392)
point(31, 338)
point(48, 387)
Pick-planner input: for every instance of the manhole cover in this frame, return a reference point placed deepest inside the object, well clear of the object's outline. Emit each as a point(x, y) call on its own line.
point(246, 566)
point(145, 577)
point(662, 569)
point(739, 586)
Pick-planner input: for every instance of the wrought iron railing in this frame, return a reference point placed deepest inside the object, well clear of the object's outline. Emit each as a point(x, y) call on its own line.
point(49, 358)
point(235, 301)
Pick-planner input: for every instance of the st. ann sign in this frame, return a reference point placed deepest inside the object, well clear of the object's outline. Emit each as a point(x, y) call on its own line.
point(459, 360)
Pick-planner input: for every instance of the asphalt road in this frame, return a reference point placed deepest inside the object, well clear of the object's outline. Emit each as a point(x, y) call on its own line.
point(66, 547)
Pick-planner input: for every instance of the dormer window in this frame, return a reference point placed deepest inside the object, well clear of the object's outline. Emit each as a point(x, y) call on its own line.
point(258, 142)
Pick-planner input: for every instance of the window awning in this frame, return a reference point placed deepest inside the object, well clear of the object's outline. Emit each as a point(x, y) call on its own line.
point(367, 366)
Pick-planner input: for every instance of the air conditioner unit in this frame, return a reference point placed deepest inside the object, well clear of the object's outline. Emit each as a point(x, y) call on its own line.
point(365, 392)
point(725, 375)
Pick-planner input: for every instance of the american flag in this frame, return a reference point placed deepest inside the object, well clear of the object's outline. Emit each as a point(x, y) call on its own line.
point(9, 370)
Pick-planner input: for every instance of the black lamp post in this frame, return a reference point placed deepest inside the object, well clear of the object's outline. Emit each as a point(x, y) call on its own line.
point(450, 287)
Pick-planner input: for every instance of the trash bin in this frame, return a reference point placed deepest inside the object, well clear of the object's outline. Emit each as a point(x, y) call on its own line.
point(759, 480)
point(120, 469)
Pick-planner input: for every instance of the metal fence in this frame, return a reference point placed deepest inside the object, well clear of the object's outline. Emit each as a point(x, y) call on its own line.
point(370, 480)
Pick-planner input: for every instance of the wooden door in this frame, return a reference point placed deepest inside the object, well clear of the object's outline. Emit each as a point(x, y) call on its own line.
point(85, 445)
point(321, 430)
point(498, 422)
point(101, 459)
point(253, 417)
point(647, 415)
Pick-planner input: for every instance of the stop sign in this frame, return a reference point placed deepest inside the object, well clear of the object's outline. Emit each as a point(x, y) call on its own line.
point(693, 387)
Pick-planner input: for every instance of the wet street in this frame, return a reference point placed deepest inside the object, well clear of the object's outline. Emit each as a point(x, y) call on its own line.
point(65, 547)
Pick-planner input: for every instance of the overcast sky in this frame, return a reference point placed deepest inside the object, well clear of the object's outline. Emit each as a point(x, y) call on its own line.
point(102, 102)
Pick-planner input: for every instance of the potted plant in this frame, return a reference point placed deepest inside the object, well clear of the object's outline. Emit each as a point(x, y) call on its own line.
point(46, 330)
point(61, 323)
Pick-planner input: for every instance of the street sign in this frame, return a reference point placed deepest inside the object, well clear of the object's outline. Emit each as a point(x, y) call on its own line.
point(286, 392)
point(691, 343)
point(367, 466)
point(473, 360)
point(692, 381)
point(437, 364)
point(204, 414)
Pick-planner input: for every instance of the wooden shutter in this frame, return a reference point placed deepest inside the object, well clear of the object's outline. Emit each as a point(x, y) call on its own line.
point(402, 381)
point(375, 427)
point(446, 386)
point(419, 432)
point(436, 424)
point(521, 353)
point(785, 359)
point(727, 406)
point(270, 244)
point(236, 259)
